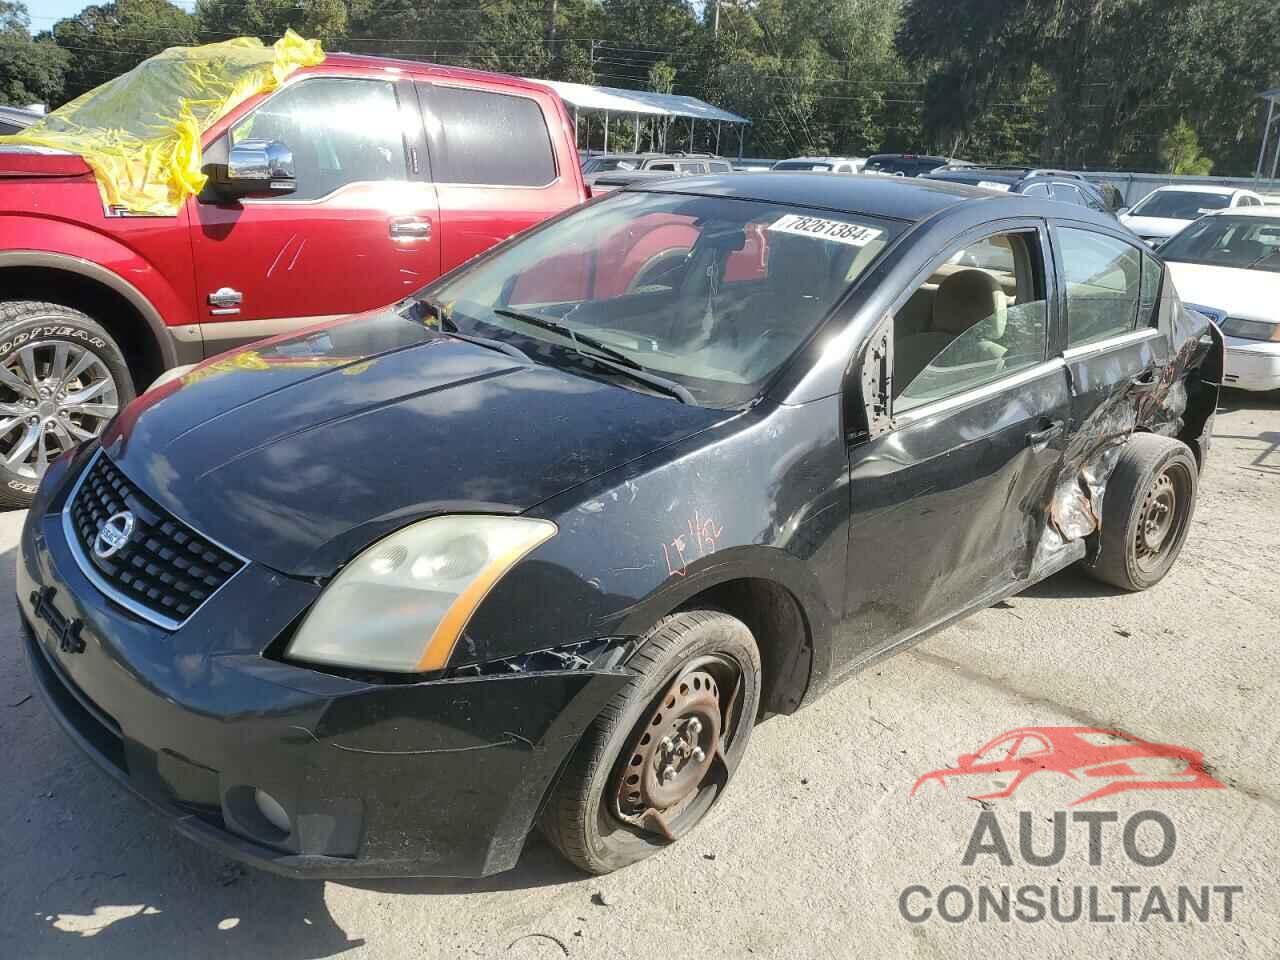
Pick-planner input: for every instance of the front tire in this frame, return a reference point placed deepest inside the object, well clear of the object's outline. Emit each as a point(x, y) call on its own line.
point(1146, 512)
point(663, 749)
point(62, 378)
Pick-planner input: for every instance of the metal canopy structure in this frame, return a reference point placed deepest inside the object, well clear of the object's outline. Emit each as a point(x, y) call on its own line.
point(644, 104)
point(1272, 97)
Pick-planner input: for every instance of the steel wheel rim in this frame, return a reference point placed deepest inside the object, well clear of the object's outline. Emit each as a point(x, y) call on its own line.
point(54, 394)
point(1160, 521)
point(716, 739)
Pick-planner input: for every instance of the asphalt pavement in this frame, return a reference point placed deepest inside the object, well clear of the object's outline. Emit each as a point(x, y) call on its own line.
point(819, 849)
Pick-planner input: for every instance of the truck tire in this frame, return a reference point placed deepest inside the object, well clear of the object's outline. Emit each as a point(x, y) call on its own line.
point(62, 378)
point(1146, 512)
point(663, 749)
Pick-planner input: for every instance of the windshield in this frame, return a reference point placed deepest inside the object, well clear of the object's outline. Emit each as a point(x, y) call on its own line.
point(1180, 204)
point(801, 165)
point(603, 164)
point(1251, 243)
point(711, 293)
point(905, 166)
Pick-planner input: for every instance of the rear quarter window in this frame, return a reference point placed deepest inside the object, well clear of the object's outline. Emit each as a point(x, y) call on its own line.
point(487, 138)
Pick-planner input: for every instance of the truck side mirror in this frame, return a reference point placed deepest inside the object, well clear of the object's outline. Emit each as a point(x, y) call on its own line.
point(257, 168)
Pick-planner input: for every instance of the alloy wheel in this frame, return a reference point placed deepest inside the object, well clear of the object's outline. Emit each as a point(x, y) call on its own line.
point(53, 395)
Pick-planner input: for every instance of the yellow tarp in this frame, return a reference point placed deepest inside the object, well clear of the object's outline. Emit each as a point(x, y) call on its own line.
point(140, 133)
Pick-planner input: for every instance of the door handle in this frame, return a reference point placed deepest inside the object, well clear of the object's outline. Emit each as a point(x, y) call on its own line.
point(410, 228)
point(225, 301)
point(1042, 438)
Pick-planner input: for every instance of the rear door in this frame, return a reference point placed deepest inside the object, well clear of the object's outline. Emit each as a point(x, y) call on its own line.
point(957, 484)
point(1113, 350)
point(495, 166)
point(357, 232)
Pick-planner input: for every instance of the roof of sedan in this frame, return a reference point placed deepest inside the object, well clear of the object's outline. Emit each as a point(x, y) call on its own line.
point(900, 198)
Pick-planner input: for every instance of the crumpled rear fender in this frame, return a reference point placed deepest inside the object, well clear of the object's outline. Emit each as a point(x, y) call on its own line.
point(1182, 405)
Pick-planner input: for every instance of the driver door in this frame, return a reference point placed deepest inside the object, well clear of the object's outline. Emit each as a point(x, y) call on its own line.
point(356, 233)
point(957, 485)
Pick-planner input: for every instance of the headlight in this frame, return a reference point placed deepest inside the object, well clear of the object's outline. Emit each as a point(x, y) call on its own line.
point(1251, 329)
point(402, 604)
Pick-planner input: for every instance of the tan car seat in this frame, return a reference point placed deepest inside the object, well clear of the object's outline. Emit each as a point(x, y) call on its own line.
point(964, 299)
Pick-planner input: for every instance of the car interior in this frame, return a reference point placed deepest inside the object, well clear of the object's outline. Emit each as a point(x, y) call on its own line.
point(979, 315)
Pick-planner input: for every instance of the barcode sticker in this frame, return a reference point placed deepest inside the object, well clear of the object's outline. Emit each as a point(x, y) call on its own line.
point(838, 230)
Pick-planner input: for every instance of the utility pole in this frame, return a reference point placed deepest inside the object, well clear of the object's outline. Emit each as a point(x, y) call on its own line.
point(551, 26)
point(715, 18)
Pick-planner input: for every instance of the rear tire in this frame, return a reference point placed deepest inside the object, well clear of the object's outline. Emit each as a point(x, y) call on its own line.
point(62, 378)
point(583, 817)
point(1146, 512)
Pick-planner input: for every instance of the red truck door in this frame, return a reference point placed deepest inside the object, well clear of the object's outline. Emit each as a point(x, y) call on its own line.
point(500, 161)
point(360, 230)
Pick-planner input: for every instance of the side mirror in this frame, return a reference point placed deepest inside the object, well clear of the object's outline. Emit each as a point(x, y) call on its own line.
point(258, 168)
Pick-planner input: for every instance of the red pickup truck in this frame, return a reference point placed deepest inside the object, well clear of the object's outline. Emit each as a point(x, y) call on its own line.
point(353, 184)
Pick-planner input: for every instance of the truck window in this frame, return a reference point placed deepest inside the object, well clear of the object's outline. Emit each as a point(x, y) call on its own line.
point(341, 131)
point(487, 138)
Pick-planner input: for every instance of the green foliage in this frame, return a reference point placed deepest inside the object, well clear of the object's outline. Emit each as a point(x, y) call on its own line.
point(1180, 152)
point(31, 70)
point(107, 40)
point(1079, 83)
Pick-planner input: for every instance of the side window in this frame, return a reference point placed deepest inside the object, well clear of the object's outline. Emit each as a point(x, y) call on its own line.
point(690, 167)
point(1067, 193)
point(1152, 273)
point(662, 166)
point(1102, 276)
point(340, 131)
point(487, 138)
point(1036, 190)
point(980, 316)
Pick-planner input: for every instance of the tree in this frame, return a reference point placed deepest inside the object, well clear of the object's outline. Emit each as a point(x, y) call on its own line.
point(108, 40)
point(31, 70)
point(1180, 152)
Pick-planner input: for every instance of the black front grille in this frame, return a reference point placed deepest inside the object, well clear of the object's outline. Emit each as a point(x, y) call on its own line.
point(165, 567)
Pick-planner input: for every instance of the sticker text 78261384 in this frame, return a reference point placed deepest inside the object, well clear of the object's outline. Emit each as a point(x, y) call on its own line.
point(840, 231)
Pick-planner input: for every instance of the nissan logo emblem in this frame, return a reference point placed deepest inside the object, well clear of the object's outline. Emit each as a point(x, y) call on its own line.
point(113, 534)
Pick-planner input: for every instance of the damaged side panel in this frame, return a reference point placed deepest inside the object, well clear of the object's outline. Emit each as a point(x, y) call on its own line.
point(1165, 382)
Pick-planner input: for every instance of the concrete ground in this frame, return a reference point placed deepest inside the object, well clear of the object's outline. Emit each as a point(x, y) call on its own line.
point(812, 847)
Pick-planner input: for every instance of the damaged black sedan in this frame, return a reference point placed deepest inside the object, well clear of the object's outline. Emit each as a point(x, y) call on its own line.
point(540, 544)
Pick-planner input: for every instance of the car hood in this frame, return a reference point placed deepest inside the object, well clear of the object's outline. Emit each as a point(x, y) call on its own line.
point(300, 451)
point(1250, 294)
point(1153, 226)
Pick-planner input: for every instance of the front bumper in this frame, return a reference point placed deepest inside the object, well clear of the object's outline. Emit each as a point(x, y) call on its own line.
point(1251, 364)
point(440, 778)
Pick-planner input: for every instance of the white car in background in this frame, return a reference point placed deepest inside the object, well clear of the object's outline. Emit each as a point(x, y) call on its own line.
point(823, 164)
point(1227, 265)
point(1166, 210)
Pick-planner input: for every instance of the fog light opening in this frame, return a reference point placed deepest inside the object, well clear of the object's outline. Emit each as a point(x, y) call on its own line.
point(272, 811)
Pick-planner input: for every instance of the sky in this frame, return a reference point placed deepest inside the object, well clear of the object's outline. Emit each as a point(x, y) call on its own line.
point(45, 13)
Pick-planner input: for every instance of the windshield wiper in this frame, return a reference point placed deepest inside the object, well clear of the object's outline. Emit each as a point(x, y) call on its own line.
point(604, 355)
point(450, 327)
point(581, 339)
point(1262, 259)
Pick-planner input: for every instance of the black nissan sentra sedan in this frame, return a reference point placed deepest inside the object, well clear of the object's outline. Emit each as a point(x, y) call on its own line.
point(541, 543)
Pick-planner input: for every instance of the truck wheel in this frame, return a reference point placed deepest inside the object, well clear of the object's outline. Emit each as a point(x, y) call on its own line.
point(62, 378)
point(663, 749)
point(1146, 512)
